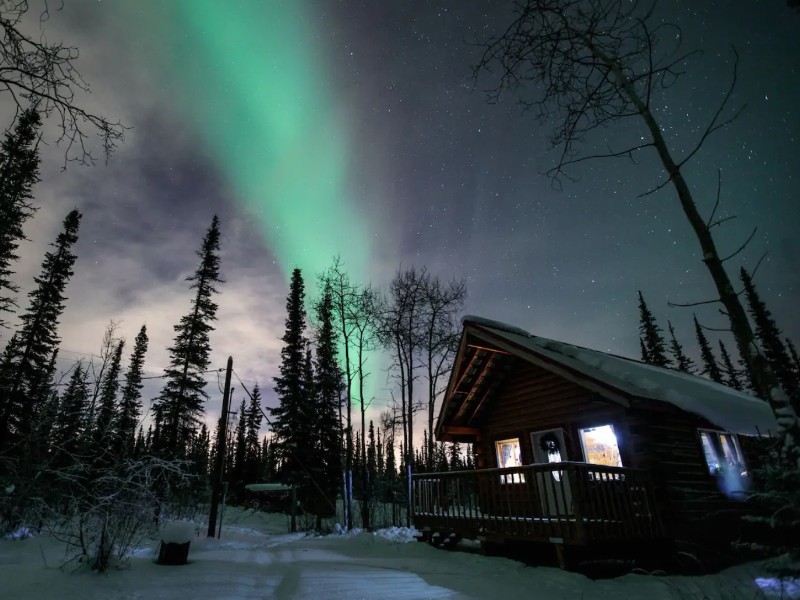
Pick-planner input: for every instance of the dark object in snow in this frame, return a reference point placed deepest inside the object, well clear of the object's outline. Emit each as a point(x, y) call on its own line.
point(171, 553)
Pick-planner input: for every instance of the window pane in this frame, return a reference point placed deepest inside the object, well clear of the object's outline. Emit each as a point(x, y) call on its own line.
point(508, 455)
point(725, 461)
point(600, 446)
point(712, 460)
point(733, 457)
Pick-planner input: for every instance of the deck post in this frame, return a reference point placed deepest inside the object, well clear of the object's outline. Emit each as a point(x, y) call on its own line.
point(561, 556)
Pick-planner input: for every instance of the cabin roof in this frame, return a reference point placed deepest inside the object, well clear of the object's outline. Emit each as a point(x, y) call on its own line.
point(721, 405)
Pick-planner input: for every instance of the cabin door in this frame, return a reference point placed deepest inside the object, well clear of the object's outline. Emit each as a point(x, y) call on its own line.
point(555, 494)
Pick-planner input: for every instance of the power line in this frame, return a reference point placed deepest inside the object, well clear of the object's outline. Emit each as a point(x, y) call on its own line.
point(246, 391)
point(124, 379)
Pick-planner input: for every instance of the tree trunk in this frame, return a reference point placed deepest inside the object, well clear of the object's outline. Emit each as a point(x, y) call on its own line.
point(765, 381)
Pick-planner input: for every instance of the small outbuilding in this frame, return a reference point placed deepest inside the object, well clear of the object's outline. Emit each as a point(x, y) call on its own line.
point(580, 448)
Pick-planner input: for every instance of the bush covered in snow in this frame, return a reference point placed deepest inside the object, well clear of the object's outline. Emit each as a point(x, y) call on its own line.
point(776, 501)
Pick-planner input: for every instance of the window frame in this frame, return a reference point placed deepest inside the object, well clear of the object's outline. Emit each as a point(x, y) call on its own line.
point(616, 442)
point(513, 477)
point(717, 446)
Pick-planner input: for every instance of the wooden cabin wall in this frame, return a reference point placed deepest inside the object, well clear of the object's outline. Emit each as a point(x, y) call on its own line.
point(651, 435)
point(668, 442)
point(532, 399)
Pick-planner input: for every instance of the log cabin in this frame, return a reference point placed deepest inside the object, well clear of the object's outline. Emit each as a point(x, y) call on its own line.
point(578, 449)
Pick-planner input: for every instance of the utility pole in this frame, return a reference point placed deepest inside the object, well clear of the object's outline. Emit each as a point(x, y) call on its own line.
point(220, 466)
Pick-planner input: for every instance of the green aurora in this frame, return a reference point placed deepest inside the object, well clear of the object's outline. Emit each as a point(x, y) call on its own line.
point(254, 87)
point(250, 80)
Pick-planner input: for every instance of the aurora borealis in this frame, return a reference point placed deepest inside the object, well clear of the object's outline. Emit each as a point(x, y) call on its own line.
point(255, 87)
point(321, 127)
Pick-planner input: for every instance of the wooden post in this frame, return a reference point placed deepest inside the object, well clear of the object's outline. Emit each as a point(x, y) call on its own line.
point(561, 555)
point(294, 509)
point(220, 466)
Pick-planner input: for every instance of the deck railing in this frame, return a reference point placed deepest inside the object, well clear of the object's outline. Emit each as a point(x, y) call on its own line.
point(558, 502)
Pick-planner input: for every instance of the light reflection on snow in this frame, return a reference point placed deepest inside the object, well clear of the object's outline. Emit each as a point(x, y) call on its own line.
point(369, 583)
point(774, 587)
point(20, 534)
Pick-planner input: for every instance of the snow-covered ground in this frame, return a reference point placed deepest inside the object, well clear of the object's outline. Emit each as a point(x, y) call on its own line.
point(255, 558)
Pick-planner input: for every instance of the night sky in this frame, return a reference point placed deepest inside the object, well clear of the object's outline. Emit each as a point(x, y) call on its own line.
point(319, 128)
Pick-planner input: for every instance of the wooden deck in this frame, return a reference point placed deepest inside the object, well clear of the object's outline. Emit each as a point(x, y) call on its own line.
point(561, 503)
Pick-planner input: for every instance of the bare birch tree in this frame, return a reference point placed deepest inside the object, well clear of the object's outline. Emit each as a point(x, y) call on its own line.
point(343, 293)
point(441, 305)
point(43, 75)
point(365, 314)
point(595, 63)
point(402, 334)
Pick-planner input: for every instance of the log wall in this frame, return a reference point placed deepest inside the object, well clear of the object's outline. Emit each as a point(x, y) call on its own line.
point(652, 435)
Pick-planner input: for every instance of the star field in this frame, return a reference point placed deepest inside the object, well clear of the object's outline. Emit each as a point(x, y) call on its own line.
point(317, 128)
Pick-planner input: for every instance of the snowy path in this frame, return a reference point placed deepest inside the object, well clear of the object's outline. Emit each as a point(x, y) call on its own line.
point(248, 564)
point(281, 567)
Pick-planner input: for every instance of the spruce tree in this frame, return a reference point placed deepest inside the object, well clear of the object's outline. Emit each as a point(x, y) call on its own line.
point(240, 453)
point(769, 337)
point(380, 462)
point(442, 460)
point(19, 172)
point(795, 357)
point(372, 454)
point(269, 466)
point(391, 468)
point(141, 446)
point(148, 440)
point(710, 367)
point(27, 365)
point(681, 361)
point(130, 404)
point(653, 341)
point(69, 426)
point(104, 433)
point(292, 422)
point(329, 389)
point(180, 405)
point(455, 457)
point(44, 428)
point(199, 457)
point(731, 374)
point(253, 450)
point(643, 351)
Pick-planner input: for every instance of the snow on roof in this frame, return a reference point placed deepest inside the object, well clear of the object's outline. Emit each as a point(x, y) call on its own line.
point(727, 408)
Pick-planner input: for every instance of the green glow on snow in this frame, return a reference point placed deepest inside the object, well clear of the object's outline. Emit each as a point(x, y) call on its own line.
point(249, 78)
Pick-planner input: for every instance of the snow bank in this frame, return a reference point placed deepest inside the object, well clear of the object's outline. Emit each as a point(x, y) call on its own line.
point(398, 534)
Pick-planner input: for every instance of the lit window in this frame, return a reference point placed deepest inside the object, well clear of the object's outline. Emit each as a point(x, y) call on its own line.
point(722, 452)
point(508, 455)
point(600, 446)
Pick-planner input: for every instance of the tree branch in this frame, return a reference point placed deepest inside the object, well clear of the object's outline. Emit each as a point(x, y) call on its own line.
point(742, 247)
point(713, 124)
point(688, 304)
